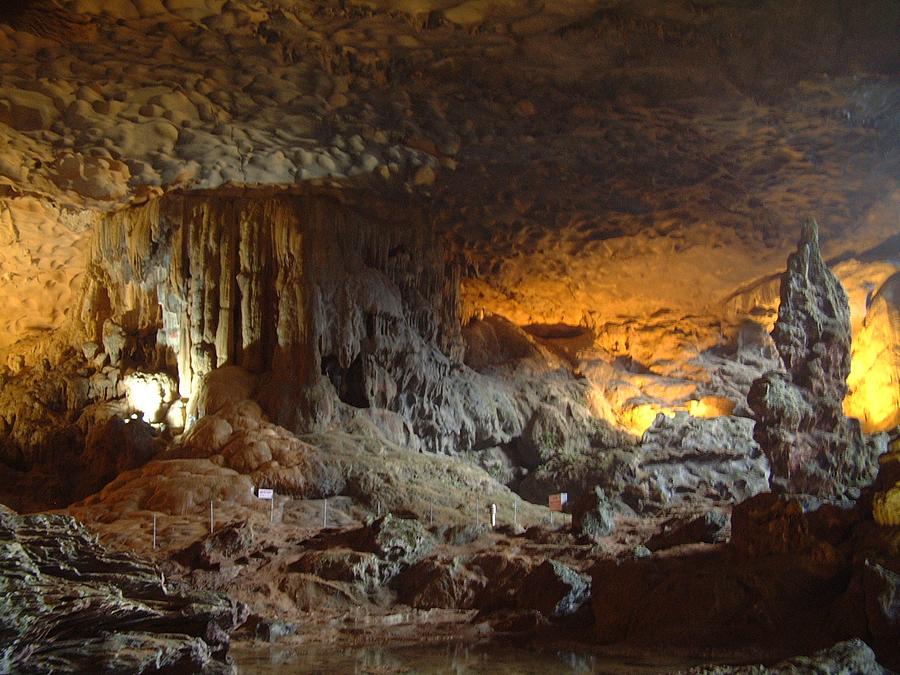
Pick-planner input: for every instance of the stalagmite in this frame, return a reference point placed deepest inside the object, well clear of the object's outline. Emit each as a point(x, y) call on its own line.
point(800, 422)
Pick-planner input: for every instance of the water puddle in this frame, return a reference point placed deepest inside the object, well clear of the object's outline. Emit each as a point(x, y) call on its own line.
point(455, 658)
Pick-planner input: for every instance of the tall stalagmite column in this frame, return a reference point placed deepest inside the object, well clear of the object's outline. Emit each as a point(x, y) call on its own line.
point(800, 424)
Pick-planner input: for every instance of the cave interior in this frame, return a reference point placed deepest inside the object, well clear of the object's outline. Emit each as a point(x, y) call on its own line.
point(450, 336)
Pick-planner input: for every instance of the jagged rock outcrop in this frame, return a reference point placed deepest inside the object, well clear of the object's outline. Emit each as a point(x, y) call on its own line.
point(594, 515)
point(798, 574)
point(714, 458)
point(67, 604)
point(680, 459)
point(554, 589)
point(710, 528)
point(372, 554)
point(881, 590)
point(800, 424)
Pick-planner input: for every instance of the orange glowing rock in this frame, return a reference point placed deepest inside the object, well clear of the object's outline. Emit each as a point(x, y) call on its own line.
point(639, 418)
point(886, 502)
point(874, 382)
point(711, 406)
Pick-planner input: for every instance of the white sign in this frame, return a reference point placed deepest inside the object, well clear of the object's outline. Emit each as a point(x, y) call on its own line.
point(558, 501)
point(265, 493)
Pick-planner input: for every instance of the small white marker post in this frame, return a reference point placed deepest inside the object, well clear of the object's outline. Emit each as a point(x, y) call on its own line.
point(493, 515)
point(325, 515)
point(431, 514)
point(515, 513)
point(211, 517)
point(154, 531)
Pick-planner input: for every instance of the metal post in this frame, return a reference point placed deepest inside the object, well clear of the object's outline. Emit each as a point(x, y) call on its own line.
point(325, 514)
point(272, 513)
point(493, 515)
point(154, 531)
point(211, 517)
point(515, 513)
point(431, 514)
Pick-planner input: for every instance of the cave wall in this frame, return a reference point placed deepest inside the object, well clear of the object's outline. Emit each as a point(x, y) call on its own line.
point(304, 288)
point(346, 309)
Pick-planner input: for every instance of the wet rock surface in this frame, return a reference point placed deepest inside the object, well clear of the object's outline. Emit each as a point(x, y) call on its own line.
point(710, 528)
point(808, 571)
point(70, 605)
point(851, 656)
point(554, 589)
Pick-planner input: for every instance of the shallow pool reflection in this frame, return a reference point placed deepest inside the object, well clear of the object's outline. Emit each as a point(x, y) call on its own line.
point(456, 659)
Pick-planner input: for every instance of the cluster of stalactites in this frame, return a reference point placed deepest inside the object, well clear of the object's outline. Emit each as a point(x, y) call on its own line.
point(272, 284)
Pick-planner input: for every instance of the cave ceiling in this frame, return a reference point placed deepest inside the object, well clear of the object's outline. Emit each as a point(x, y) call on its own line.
point(590, 163)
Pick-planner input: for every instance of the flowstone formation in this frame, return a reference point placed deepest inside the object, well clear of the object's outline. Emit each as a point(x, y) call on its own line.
point(67, 604)
point(800, 423)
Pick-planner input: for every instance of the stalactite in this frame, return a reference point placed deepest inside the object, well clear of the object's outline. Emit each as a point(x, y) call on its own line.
point(279, 285)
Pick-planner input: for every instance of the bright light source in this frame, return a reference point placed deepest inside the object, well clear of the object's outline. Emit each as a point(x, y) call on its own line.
point(711, 406)
point(873, 395)
point(639, 418)
point(147, 393)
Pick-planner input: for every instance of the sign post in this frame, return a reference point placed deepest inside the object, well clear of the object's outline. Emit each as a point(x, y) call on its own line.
point(154, 531)
point(211, 517)
point(557, 502)
point(325, 515)
point(268, 493)
point(493, 515)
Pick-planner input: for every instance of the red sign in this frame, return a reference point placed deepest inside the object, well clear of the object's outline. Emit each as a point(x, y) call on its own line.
point(558, 501)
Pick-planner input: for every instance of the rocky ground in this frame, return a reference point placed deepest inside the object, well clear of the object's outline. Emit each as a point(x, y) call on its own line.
point(776, 577)
point(70, 605)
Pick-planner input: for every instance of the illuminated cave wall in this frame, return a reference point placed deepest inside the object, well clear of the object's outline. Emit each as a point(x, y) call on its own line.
point(289, 285)
point(874, 380)
point(345, 305)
